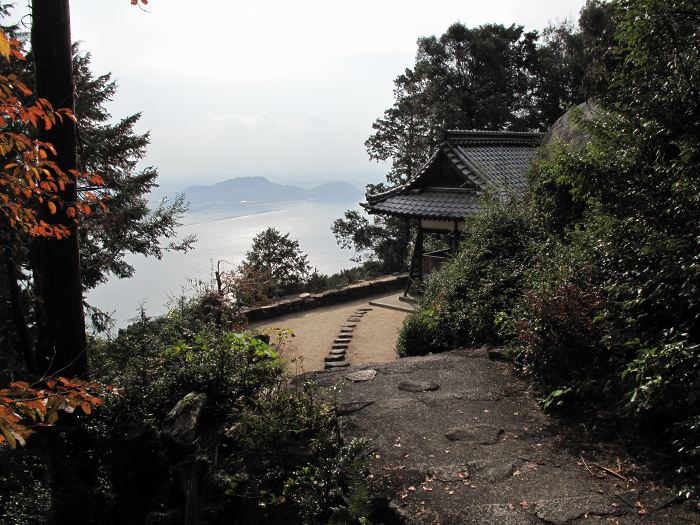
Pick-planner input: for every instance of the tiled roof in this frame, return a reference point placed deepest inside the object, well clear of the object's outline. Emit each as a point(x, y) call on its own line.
point(430, 204)
point(503, 165)
point(487, 160)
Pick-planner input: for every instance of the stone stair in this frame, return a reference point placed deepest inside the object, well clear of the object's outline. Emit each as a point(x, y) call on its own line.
point(337, 357)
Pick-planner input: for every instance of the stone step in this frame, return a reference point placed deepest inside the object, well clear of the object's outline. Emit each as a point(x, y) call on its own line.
point(346, 330)
point(334, 357)
point(336, 364)
point(365, 309)
point(340, 346)
point(354, 319)
point(350, 325)
point(399, 308)
point(344, 336)
point(337, 351)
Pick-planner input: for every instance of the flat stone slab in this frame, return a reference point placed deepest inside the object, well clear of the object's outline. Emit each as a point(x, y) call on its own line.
point(345, 330)
point(361, 375)
point(418, 386)
point(350, 325)
point(340, 341)
point(365, 309)
point(481, 434)
point(344, 336)
point(564, 510)
point(337, 364)
point(339, 346)
point(459, 439)
point(349, 408)
point(354, 319)
point(334, 357)
point(492, 470)
point(338, 351)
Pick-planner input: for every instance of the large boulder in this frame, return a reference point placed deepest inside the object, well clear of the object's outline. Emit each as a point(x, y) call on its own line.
point(180, 425)
point(567, 130)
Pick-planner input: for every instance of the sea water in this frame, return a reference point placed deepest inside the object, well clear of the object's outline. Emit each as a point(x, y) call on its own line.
point(222, 235)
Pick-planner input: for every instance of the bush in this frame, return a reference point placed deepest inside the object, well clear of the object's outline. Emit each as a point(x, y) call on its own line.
point(418, 334)
point(462, 301)
point(268, 449)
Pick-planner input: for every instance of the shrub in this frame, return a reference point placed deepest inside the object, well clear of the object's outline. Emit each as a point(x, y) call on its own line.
point(268, 449)
point(462, 301)
point(418, 334)
point(557, 336)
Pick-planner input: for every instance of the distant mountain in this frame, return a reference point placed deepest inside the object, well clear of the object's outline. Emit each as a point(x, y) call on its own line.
point(245, 191)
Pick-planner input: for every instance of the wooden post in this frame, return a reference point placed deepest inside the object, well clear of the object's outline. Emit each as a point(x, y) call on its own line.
point(419, 251)
point(62, 330)
point(455, 236)
point(412, 266)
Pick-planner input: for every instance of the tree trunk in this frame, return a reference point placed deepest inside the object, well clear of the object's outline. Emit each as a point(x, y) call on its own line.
point(62, 329)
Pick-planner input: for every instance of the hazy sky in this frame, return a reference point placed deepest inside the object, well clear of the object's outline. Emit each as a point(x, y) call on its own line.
point(287, 89)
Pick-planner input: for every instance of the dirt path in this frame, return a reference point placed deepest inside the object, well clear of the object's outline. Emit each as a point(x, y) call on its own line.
point(374, 337)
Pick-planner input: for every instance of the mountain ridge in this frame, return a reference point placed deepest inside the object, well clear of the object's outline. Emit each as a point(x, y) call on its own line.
point(244, 191)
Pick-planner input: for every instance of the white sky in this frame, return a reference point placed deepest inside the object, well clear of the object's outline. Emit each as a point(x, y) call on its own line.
point(285, 89)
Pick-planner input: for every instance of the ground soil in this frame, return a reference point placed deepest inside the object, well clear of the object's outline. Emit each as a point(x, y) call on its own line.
point(374, 337)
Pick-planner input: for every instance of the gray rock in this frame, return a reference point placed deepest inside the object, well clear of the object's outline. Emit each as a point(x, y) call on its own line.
point(480, 434)
point(562, 511)
point(361, 375)
point(337, 364)
point(180, 425)
point(353, 406)
point(396, 404)
point(337, 351)
point(492, 470)
point(449, 473)
point(339, 346)
point(334, 357)
point(418, 386)
point(496, 354)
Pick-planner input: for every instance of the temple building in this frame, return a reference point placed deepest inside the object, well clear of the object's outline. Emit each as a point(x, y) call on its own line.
point(451, 185)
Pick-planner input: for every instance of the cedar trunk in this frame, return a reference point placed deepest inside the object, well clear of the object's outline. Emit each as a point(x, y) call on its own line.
point(62, 340)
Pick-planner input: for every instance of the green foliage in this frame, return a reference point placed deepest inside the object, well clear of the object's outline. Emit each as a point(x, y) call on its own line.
point(462, 301)
point(318, 282)
point(380, 241)
point(597, 293)
point(279, 257)
point(418, 334)
point(114, 150)
point(268, 447)
point(486, 77)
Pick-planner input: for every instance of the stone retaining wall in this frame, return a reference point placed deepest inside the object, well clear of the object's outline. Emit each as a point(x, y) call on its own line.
point(359, 290)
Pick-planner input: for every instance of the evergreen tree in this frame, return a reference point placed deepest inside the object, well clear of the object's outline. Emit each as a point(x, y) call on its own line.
point(490, 77)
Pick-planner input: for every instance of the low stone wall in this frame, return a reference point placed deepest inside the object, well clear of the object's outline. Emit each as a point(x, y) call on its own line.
point(358, 290)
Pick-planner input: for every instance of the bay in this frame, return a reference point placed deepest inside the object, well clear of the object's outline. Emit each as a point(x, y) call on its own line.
point(222, 235)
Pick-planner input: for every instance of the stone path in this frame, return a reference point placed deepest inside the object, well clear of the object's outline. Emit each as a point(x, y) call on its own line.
point(458, 439)
point(337, 357)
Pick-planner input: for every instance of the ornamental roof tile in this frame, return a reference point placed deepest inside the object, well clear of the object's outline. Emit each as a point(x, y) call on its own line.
point(488, 161)
point(430, 204)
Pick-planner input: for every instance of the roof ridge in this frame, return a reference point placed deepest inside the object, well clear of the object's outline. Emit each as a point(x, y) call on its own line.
point(449, 133)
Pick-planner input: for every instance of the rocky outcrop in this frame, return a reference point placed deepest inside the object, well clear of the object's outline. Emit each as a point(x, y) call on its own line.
point(457, 438)
point(180, 425)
